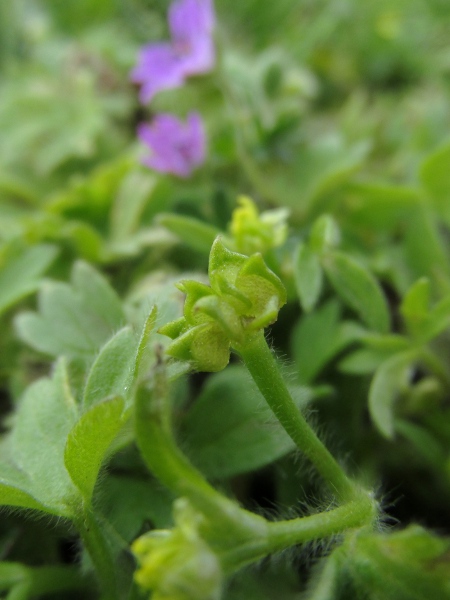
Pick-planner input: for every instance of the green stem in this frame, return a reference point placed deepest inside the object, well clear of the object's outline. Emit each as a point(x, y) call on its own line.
point(100, 552)
point(282, 534)
point(172, 467)
point(263, 368)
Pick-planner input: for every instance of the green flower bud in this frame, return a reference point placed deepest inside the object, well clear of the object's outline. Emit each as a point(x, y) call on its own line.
point(253, 232)
point(178, 564)
point(245, 297)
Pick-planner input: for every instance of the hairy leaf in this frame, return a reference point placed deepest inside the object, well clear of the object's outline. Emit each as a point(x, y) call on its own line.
point(88, 443)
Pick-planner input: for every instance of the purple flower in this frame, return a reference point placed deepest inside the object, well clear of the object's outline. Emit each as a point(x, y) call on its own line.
point(176, 147)
point(191, 52)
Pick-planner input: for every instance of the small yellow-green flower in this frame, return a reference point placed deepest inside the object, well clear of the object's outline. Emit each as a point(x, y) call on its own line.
point(177, 564)
point(254, 232)
point(244, 297)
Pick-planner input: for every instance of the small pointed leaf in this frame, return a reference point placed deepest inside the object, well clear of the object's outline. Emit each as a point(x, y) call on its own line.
point(308, 276)
point(358, 288)
point(391, 377)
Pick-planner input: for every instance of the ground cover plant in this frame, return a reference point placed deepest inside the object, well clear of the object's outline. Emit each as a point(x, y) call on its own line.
point(225, 300)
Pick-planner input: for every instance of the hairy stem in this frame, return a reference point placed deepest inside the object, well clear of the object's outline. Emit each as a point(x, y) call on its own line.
point(173, 468)
point(100, 553)
point(282, 534)
point(262, 366)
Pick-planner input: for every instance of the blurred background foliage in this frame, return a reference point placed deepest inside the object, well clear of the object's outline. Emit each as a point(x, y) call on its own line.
point(322, 106)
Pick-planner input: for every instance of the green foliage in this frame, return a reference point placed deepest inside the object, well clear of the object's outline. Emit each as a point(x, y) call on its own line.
point(88, 443)
point(112, 371)
point(245, 297)
point(34, 475)
point(390, 380)
point(319, 337)
point(308, 277)
point(413, 562)
point(230, 430)
point(358, 289)
point(436, 180)
point(20, 271)
point(333, 117)
point(73, 320)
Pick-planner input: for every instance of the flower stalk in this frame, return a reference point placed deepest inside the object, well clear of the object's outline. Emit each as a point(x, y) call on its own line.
point(264, 370)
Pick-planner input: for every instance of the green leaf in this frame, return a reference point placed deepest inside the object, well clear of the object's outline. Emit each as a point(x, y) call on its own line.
point(390, 379)
point(416, 305)
point(422, 321)
point(308, 277)
point(145, 354)
point(128, 502)
point(358, 288)
point(362, 362)
point(230, 429)
point(324, 585)
point(439, 319)
point(435, 176)
point(324, 234)
point(411, 564)
point(318, 337)
point(133, 195)
point(36, 444)
point(317, 170)
point(424, 248)
point(73, 320)
point(380, 206)
point(194, 233)
point(424, 442)
point(20, 272)
point(113, 370)
point(12, 573)
point(88, 443)
point(12, 485)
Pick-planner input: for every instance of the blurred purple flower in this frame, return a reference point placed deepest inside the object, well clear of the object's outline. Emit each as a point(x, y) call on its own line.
point(191, 52)
point(176, 147)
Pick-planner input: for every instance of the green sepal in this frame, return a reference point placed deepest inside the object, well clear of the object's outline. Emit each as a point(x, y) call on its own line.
point(194, 291)
point(259, 284)
point(222, 312)
point(181, 346)
point(223, 264)
point(210, 349)
point(174, 328)
point(235, 297)
point(206, 346)
point(266, 317)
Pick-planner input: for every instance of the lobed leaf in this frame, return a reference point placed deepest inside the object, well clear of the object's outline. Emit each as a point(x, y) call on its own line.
point(35, 475)
point(74, 319)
